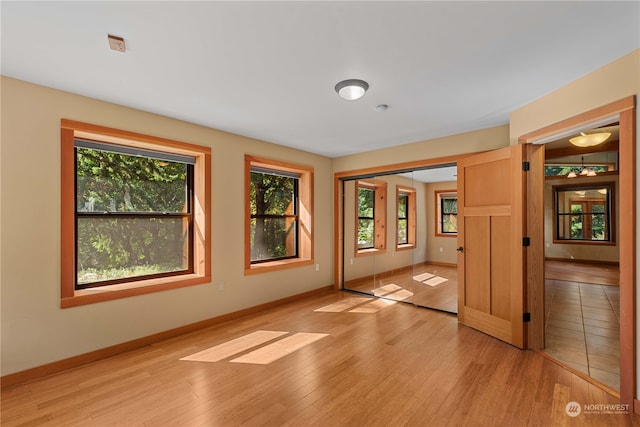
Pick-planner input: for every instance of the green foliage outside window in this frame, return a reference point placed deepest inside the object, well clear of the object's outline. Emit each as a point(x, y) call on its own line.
point(563, 170)
point(273, 199)
point(576, 222)
point(132, 215)
point(595, 218)
point(403, 223)
point(449, 211)
point(598, 226)
point(583, 213)
point(366, 200)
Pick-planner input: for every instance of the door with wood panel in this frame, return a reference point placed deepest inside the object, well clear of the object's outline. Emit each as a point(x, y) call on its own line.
point(490, 243)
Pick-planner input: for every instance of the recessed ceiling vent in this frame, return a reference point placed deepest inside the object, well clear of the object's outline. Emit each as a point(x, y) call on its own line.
point(116, 43)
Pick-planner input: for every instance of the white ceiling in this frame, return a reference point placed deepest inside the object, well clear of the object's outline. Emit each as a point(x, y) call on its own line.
point(432, 175)
point(267, 69)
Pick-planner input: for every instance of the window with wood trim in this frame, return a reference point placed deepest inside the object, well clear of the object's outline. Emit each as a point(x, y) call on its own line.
point(583, 213)
point(405, 217)
point(446, 203)
point(278, 214)
point(371, 216)
point(135, 214)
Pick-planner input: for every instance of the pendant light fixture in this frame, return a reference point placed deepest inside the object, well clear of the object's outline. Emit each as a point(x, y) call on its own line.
point(583, 171)
point(351, 89)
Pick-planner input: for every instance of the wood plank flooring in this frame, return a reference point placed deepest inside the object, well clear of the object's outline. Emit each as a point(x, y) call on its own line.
point(582, 272)
point(391, 364)
point(439, 291)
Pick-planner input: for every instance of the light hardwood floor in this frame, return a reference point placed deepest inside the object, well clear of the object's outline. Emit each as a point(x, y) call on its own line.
point(377, 363)
point(426, 285)
point(582, 306)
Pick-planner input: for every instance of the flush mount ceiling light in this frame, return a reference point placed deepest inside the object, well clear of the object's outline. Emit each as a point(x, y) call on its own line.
point(589, 139)
point(352, 89)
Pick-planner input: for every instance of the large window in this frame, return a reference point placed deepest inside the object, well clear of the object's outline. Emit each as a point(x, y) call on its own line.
point(446, 213)
point(274, 215)
point(405, 217)
point(371, 213)
point(135, 214)
point(583, 213)
point(278, 214)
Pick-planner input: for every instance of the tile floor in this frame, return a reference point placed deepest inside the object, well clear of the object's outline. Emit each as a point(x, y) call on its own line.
point(583, 328)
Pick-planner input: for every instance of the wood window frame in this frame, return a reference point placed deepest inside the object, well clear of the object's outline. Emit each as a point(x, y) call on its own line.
point(305, 215)
point(380, 216)
point(439, 195)
point(410, 193)
point(201, 243)
point(610, 212)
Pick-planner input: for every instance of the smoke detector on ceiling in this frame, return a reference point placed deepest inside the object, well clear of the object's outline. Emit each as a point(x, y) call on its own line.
point(116, 43)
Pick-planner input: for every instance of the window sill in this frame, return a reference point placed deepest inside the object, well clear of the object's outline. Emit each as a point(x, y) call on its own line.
point(584, 242)
point(265, 267)
point(405, 247)
point(373, 251)
point(446, 234)
point(124, 290)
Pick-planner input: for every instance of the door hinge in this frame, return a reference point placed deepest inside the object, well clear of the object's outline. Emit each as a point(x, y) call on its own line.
point(526, 241)
point(526, 166)
point(526, 317)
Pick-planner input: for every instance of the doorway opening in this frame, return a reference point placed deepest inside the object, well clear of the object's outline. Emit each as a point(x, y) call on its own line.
point(582, 255)
point(622, 112)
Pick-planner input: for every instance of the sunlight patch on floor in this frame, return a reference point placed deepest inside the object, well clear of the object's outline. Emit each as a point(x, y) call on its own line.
point(343, 305)
point(262, 355)
point(400, 295)
point(233, 347)
point(373, 306)
point(279, 349)
point(392, 293)
point(429, 279)
point(386, 289)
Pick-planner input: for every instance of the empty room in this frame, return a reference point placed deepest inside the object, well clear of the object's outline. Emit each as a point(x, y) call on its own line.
point(343, 213)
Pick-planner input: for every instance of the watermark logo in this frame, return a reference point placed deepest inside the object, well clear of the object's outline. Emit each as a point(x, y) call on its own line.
point(573, 409)
point(607, 408)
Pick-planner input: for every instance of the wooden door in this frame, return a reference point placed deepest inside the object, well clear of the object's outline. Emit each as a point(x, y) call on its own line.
point(490, 239)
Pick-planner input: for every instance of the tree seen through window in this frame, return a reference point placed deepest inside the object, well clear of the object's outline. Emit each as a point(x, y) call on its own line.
point(366, 217)
point(133, 214)
point(274, 220)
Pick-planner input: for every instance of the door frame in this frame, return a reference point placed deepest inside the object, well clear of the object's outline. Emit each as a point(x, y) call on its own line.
point(625, 112)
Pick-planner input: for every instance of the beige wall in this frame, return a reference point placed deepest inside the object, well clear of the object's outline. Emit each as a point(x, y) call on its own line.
point(463, 143)
point(35, 331)
point(614, 81)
